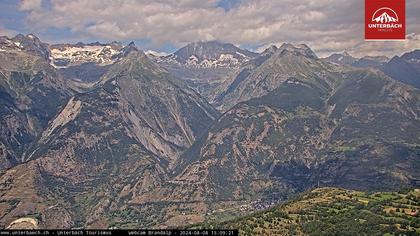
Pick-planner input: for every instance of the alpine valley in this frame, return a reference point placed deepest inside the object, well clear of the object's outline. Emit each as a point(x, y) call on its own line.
point(104, 135)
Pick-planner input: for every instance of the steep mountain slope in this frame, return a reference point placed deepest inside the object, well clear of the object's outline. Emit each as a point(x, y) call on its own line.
point(266, 72)
point(205, 65)
point(329, 211)
point(106, 146)
point(31, 93)
point(330, 125)
point(405, 68)
point(175, 114)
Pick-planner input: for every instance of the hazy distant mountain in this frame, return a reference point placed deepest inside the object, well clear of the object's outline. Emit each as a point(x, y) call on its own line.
point(413, 56)
point(405, 68)
point(370, 61)
point(364, 62)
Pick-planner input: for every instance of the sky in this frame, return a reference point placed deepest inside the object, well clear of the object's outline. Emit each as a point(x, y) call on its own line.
point(327, 26)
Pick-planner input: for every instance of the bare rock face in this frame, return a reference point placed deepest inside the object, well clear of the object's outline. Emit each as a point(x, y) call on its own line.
point(166, 115)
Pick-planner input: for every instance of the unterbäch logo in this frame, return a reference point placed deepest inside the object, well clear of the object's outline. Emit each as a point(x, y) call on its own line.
point(385, 18)
point(385, 15)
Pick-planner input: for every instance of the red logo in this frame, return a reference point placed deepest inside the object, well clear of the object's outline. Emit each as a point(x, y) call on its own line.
point(384, 19)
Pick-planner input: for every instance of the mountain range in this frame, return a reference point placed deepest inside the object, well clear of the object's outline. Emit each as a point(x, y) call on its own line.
point(403, 68)
point(107, 136)
point(364, 62)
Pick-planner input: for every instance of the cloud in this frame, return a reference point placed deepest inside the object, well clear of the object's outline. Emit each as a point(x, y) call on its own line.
point(325, 25)
point(29, 5)
point(388, 48)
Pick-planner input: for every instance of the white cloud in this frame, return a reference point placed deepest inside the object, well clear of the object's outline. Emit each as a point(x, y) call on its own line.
point(325, 25)
point(387, 48)
point(29, 5)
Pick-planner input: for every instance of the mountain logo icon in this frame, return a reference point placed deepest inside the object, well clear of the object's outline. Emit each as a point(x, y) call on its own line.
point(385, 15)
point(385, 20)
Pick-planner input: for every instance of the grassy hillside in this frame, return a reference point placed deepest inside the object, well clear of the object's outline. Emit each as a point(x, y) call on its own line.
point(331, 211)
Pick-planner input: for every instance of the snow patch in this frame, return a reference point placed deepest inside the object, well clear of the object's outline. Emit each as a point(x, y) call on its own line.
point(242, 55)
point(192, 60)
point(224, 60)
point(158, 54)
point(75, 55)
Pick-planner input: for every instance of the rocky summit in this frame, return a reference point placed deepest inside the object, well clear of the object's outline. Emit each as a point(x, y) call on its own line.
point(103, 135)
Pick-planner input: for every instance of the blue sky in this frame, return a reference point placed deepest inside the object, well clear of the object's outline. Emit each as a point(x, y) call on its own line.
point(10, 16)
point(327, 26)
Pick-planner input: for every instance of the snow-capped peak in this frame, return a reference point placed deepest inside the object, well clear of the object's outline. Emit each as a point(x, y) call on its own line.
point(74, 54)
